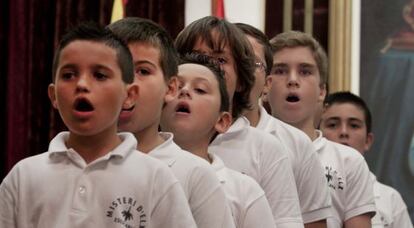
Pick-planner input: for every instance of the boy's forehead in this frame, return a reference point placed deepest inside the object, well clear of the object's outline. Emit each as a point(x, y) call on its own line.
point(85, 46)
point(212, 44)
point(88, 52)
point(193, 71)
point(143, 50)
point(347, 109)
point(300, 53)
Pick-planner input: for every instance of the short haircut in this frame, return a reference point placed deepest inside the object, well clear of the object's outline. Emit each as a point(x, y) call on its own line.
point(294, 39)
point(241, 50)
point(210, 63)
point(90, 31)
point(134, 29)
point(347, 97)
point(262, 39)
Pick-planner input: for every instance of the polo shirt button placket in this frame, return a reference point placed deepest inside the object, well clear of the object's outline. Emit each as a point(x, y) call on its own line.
point(82, 190)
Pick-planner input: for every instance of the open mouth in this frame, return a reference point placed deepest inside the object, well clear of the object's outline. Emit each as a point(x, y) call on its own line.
point(183, 108)
point(83, 105)
point(292, 98)
point(128, 109)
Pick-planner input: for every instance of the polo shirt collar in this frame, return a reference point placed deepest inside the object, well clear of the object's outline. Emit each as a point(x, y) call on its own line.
point(218, 166)
point(58, 146)
point(377, 193)
point(167, 150)
point(264, 118)
point(237, 127)
point(320, 141)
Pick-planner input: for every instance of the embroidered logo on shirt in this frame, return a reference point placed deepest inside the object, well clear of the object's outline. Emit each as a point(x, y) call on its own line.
point(126, 211)
point(334, 180)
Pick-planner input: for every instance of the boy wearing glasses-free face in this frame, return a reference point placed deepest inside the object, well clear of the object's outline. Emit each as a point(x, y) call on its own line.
point(195, 115)
point(346, 119)
point(296, 90)
point(91, 176)
point(156, 65)
point(243, 148)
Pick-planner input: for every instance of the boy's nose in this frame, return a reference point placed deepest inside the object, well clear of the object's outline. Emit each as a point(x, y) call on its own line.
point(343, 131)
point(82, 84)
point(293, 79)
point(184, 92)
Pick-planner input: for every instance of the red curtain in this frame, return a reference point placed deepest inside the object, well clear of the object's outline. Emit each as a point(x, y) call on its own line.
point(168, 13)
point(29, 31)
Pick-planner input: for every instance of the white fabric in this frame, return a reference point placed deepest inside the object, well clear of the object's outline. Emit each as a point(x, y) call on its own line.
point(262, 157)
point(124, 188)
point(248, 202)
point(314, 198)
point(348, 179)
point(391, 209)
point(205, 196)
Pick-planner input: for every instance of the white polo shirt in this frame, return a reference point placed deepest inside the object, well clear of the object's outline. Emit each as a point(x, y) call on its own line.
point(348, 179)
point(124, 188)
point(248, 202)
point(262, 157)
point(314, 198)
point(391, 209)
point(205, 196)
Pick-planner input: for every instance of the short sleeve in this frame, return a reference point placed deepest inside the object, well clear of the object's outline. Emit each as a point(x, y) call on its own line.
point(359, 189)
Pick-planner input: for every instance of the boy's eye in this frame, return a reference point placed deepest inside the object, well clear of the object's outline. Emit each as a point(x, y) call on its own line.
point(279, 70)
point(100, 76)
point(355, 126)
point(221, 60)
point(200, 91)
point(330, 125)
point(67, 75)
point(305, 72)
point(142, 72)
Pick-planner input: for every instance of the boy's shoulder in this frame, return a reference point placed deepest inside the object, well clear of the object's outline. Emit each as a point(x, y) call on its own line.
point(254, 135)
point(325, 146)
point(290, 135)
point(236, 183)
point(346, 152)
point(170, 153)
point(242, 136)
point(385, 191)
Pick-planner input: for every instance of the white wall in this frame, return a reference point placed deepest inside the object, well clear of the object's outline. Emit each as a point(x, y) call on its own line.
point(247, 11)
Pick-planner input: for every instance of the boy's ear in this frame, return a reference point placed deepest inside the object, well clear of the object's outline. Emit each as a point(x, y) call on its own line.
point(322, 93)
point(132, 96)
point(266, 89)
point(369, 141)
point(172, 89)
point(52, 95)
point(223, 123)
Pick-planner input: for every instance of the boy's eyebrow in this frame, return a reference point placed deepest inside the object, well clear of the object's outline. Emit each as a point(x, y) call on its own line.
point(214, 52)
point(308, 65)
point(196, 79)
point(100, 66)
point(348, 118)
point(144, 61)
point(332, 118)
point(68, 66)
point(72, 65)
point(279, 65)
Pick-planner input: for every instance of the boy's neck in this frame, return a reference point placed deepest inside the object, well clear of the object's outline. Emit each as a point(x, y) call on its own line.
point(197, 148)
point(93, 147)
point(308, 128)
point(148, 139)
point(253, 115)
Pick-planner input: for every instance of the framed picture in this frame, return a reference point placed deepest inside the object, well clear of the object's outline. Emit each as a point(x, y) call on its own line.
point(387, 84)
